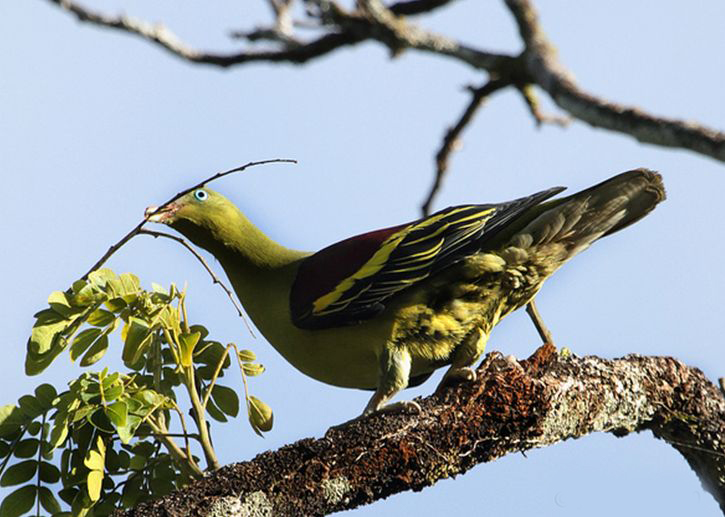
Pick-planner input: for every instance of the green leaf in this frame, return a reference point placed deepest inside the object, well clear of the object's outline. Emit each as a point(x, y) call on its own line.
point(99, 420)
point(11, 419)
point(49, 473)
point(125, 286)
point(95, 482)
point(123, 459)
point(149, 398)
point(47, 317)
point(48, 501)
point(30, 406)
point(45, 393)
point(19, 473)
point(100, 318)
point(109, 380)
point(37, 363)
point(247, 355)
point(159, 289)
point(226, 398)
point(117, 413)
point(215, 412)
point(26, 448)
point(127, 430)
point(161, 487)
point(44, 335)
point(201, 329)
point(211, 353)
point(116, 305)
point(187, 342)
point(19, 502)
point(260, 415)
point(252, 369)
point(94, 460)
point(137, 337)
point(96, 352)
point(101, 277)
point(34, 428)
point(132, 492)
point(137, 462)
point(60, 303)
point(88, 295)
point(113, 391)
point(82, 341)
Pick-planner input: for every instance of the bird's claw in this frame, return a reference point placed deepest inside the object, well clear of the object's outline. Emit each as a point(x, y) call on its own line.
point(455, 375)
point(404, 406)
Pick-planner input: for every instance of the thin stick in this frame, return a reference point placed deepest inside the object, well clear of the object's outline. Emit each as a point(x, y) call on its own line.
point(113, 249)
point(532, 102)
point(451, 139)
point(543, 331)
point(214, 277)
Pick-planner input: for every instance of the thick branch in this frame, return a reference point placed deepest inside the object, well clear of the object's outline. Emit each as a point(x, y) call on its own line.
point(537, 65)
point(511, 408)
point(160, 35)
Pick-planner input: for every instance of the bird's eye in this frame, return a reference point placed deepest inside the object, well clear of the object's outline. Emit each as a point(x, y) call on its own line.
point(201, 195)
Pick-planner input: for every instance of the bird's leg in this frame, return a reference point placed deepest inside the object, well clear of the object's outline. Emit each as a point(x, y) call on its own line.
point(395, 365)
point(466, 354)
point(536, 318)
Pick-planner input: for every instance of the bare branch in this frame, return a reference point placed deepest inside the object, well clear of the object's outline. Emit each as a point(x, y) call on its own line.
point(513, 407)
point(160, 35)
point(541, 328)
point(283, 19)
point(214, 277)
point(536, 65)
point(451, 140)
point(532, 102)
point(546, 71)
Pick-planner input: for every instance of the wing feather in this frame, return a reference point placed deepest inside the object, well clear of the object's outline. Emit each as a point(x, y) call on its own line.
point(388, 261)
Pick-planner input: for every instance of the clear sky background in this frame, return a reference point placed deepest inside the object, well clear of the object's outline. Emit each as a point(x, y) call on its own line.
point(95, 125)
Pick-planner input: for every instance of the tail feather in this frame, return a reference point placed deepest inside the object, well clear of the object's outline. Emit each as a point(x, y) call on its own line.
point(580, 219)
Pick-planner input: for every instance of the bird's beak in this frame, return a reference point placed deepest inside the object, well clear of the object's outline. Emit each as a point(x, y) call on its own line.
point(164, 214)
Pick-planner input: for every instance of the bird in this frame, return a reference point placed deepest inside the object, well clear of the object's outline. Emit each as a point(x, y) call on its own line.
point(383, 310)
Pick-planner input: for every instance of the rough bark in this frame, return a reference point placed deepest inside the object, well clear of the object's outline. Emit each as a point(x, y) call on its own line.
point(512, 407)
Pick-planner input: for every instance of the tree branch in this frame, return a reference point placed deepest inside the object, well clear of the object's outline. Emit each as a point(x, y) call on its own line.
point(451, 140)
point(536, 65)
point(546, 71)
point(512, 407)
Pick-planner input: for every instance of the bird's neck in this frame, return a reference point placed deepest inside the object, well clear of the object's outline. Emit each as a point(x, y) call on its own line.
point(260, 270)
point(235, 240)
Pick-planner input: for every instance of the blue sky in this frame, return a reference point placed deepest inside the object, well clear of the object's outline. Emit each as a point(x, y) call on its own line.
point(96, 125)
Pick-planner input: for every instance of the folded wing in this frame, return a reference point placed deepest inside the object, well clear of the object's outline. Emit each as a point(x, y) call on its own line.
point(353, 280)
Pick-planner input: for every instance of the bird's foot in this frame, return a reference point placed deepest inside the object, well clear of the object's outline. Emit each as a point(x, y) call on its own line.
point(456, 374)
point(404, 406)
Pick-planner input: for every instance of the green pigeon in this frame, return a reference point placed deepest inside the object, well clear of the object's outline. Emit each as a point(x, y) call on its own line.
point(382, 310)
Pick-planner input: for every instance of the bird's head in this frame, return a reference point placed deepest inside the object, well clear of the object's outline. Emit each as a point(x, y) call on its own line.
point(198, 206)
point(204, 216)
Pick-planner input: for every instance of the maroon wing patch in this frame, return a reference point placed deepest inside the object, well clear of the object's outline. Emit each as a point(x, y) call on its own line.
point(322, 272)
